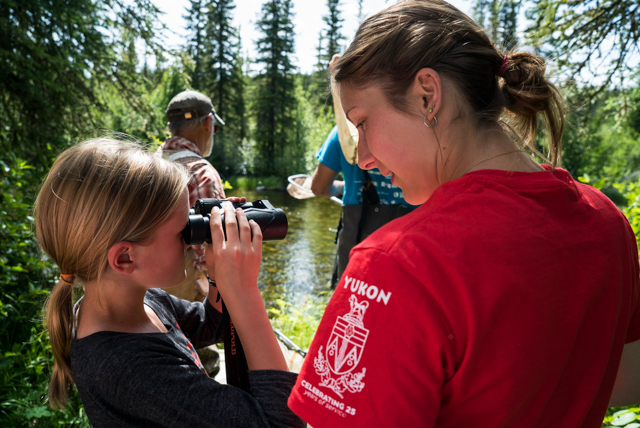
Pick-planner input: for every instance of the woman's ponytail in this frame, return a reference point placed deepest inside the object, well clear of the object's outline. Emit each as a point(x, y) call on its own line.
point(59, 322)
point(528, 93)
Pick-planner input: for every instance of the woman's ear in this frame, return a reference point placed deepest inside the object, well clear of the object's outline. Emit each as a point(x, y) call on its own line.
point(120, 257)
point(428, 88)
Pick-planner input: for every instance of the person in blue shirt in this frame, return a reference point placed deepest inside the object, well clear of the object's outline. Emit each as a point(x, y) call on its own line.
point(369, 200)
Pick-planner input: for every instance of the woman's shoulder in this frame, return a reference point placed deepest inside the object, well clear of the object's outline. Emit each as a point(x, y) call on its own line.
point(466, 209)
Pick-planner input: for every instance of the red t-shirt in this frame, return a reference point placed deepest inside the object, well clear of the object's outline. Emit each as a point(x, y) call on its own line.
point(503, 301)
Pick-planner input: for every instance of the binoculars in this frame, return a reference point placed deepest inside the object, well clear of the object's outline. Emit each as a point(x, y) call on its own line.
point(272, 221)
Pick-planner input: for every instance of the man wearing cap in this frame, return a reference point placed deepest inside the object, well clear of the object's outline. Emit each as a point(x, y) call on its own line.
point(193, 121)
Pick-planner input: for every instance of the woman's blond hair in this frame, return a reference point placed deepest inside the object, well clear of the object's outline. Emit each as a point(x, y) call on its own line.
point(97, 193)
point(391, 47)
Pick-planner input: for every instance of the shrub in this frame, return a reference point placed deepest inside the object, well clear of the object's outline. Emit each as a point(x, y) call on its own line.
point(26, 357)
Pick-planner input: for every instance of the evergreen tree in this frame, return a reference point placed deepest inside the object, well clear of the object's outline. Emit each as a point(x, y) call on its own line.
point(598, 38)
point(360, 12)
point(275, 105)
point(57, 57)
point(196, 44)
point(499, 18)
point(508, 22)
point(224, 82)
point(328, 46)
point(332, 32)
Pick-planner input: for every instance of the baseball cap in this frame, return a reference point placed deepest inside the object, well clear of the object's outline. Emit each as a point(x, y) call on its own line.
point(189, 105)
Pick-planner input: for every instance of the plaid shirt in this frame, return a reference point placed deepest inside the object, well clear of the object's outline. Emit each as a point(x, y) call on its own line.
point(205, 183)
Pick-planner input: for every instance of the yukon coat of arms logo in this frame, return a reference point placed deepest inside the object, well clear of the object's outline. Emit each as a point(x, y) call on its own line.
point(343, 352)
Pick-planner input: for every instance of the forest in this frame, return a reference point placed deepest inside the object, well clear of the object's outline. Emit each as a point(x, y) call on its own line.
point(73, 69)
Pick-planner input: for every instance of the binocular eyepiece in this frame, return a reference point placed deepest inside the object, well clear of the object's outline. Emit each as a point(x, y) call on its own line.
point(272, 221)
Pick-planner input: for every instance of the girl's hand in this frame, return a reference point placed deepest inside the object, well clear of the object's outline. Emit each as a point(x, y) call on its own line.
point(211, 272)
point(236, 261)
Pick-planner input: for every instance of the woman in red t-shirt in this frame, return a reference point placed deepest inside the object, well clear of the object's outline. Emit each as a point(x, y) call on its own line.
point(510, 296)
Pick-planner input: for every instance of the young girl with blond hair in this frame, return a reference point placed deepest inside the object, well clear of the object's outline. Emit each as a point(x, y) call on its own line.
point(110, 216)
point(509, 298)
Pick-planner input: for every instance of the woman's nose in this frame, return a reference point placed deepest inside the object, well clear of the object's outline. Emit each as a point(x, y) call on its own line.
point(365, 159)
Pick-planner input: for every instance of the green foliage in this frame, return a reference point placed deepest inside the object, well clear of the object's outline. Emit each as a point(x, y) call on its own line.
point(499, 18)
point(224, 82)
point(622, 417)
point(315, 123)
point(24, 371)
point(196, 43)
point(631, 192)
point(603, 136)
point(26, 355)
point(587, 39)
point(18, 254)
point(56, 58)
point(252, 183)
point(215, 48)
point(277, 136)
point(329, 44)
point(299, 322)
point(332, 34)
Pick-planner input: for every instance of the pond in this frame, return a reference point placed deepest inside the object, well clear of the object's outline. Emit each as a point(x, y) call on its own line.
point(299, 267)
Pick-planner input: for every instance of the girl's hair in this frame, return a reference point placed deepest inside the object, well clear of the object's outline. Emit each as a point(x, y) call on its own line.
point(392, 46)
point(96, 194)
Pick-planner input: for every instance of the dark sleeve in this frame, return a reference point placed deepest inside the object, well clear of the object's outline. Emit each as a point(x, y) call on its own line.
point(134, 381)
point(198, 321)
point(271, 388)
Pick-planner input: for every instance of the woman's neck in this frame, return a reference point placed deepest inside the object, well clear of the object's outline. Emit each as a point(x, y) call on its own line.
point(475, 150)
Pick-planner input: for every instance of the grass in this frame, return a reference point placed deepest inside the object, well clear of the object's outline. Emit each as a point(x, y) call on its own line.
point(299, 322)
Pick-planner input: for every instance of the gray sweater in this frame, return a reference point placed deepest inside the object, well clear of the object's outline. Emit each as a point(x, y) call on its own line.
point(157, 380)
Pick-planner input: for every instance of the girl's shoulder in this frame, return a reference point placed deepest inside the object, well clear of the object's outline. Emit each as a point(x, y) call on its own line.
point(109, 354)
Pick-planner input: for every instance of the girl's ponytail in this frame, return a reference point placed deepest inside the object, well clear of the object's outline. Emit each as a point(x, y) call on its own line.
point(59, 322)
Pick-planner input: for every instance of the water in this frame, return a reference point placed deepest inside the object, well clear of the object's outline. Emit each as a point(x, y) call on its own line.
point(299, 267)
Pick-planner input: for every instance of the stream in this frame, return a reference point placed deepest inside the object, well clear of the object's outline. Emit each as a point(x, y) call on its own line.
point(299, 267)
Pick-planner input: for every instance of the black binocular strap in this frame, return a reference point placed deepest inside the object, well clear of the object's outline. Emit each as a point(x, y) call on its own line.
point(235, 361)
point(369, 197)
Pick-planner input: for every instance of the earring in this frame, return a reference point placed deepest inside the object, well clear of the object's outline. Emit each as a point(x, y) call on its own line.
point(435, 119)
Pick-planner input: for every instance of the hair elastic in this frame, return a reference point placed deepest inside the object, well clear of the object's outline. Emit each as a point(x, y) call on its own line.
point(503, 67)
point(67, 278)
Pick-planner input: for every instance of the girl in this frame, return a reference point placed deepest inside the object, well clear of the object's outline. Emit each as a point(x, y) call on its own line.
point(110, 215)
point(507, 298)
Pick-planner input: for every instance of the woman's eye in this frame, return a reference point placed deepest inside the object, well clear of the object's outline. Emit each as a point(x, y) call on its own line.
point(360, 125)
